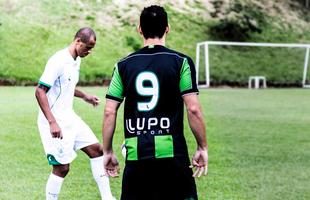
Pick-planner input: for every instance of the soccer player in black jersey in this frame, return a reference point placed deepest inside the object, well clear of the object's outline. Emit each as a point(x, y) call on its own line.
point(155, 82)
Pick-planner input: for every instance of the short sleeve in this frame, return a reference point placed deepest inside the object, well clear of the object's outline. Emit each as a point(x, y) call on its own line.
point(116, 88)
point(51, 72)
point(188, 77)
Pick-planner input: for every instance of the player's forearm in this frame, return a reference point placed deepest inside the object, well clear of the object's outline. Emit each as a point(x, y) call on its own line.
point(108, 130)
point(43, 103)
point(197, 125)
point(80, 94)
point(196, 120)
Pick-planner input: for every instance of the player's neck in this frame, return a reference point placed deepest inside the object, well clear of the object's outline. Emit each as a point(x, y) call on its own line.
point(72, 51)
point(154, 41)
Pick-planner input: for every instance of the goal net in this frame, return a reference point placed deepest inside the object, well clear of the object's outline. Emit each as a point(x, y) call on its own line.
point(232, 63)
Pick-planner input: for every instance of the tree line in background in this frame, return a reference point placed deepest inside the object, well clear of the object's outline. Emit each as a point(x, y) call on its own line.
point(29, 34)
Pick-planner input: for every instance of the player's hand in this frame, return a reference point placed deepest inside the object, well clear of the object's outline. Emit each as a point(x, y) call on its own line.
point(110, 164)
point(55, 130)
point(94, 100)
point(200, 162)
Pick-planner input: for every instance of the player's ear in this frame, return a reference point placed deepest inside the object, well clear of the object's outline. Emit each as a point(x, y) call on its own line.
point(139, 30)
point(77, 40)
point(167, 29)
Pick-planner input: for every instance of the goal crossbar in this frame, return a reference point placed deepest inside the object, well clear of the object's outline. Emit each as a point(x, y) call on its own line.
point(206, 45)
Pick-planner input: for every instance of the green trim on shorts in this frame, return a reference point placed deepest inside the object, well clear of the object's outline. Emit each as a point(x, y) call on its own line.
point(52, 160)
point(131, 145)
point(163, 146)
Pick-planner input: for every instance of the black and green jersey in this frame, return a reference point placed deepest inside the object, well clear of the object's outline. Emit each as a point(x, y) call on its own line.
point(153, 81)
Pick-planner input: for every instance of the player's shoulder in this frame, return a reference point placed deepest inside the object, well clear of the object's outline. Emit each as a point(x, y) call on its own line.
point(160, 50)
point(126, 58)
point(58, 55)
point(177, 53)
point(182, 56)
point(58, 59)
point(61, 52)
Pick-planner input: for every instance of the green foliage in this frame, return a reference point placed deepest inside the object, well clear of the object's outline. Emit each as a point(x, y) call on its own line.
point(282, 66)
point(240, 20)
point(132, 42)
point(30, 34)
point(90, 18)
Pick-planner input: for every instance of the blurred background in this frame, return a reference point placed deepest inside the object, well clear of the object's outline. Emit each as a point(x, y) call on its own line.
point(31, 31)
point(259, 144)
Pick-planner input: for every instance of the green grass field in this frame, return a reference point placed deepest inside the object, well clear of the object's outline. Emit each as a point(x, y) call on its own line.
point(259, 146)
point(32, 32)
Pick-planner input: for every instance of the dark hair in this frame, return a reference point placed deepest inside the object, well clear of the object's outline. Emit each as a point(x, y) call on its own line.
point(85, 34)
point(153, 22)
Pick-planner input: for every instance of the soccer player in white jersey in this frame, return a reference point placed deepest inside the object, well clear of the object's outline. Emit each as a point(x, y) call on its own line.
point(62, 131)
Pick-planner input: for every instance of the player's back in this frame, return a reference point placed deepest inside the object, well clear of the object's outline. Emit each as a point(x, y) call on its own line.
point(154, 80)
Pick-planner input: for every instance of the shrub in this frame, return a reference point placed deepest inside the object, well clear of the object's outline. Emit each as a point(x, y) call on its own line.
point(237, 22)
point(132, 42)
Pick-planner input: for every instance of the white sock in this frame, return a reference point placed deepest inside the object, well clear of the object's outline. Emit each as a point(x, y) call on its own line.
point(53, 187)
point(101, 178)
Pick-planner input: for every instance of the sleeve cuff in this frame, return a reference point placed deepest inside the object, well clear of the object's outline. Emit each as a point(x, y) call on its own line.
point(114, 98)
point(190, 91)
point(45, 84)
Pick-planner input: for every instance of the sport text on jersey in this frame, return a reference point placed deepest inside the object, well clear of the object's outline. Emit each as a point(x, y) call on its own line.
point(153, 125)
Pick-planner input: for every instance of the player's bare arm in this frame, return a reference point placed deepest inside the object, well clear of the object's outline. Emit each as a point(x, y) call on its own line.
point(92, 99)
point(41, 97)
point(110, 113)
point(196, 122)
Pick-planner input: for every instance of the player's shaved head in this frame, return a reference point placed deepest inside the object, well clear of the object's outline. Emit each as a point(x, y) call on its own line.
point(85, 34)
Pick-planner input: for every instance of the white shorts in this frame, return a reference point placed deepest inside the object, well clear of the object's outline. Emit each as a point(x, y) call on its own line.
point(76, 135)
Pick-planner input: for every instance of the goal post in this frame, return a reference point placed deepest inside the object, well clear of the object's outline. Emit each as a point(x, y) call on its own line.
point(204, 49)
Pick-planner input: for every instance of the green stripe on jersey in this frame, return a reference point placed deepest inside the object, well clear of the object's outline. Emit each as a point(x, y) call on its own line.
point(163, 146)
point(186, 78)
point(52, 160)
point(132, 148)
point(116, 87)
point(45, 84)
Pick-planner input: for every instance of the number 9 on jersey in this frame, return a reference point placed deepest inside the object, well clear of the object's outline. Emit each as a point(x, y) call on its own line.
point(151, 91)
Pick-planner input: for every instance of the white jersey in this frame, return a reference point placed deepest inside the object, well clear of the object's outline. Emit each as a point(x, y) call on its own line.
point(61, 75)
